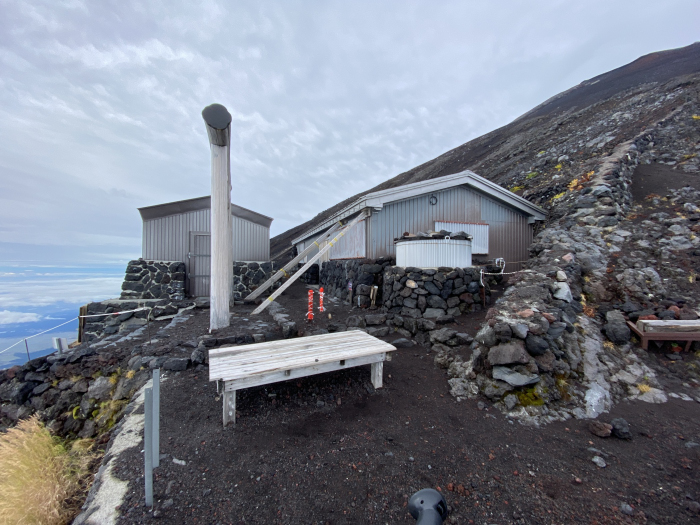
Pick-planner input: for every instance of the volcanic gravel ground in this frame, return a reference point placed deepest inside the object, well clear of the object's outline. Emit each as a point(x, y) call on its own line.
point(331, 449)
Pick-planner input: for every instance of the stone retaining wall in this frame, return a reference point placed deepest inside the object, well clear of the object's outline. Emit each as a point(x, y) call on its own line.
point(154, 280)
point(109, 324)
point(543, 343)
point(431, 293)
point(247, 276)
point(362, 273)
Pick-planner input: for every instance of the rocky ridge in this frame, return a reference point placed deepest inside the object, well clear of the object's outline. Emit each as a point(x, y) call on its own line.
point(556, 344)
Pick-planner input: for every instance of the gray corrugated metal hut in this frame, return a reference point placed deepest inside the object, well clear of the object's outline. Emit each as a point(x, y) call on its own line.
point(500, 222)
point(180, 231)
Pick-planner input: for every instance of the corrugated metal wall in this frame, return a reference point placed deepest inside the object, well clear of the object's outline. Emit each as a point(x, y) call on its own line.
point(457, 204)
point(509, 233)
point(352, 245)
point(168, 238)
point(251, 241)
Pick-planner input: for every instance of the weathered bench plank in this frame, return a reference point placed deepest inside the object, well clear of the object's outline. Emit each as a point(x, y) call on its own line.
point(265, 363)
point(668, 326)
point(645, 337)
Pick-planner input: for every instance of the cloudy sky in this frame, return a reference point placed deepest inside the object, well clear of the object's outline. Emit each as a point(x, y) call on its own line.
point(100, 102)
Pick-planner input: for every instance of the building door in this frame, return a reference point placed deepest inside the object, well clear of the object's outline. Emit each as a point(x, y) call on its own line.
point(199, 264)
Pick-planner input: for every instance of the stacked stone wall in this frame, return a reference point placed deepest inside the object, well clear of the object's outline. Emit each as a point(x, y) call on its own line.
point(432, 293)
point(247, 276)
point(154, 280)
point(363, 274)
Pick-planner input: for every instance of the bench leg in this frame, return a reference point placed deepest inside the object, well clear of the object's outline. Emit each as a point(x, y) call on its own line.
point(377, 373)
point(229, 407)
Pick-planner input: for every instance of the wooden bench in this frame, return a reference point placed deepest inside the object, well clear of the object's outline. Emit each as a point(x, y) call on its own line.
point(665, 331)
point(263, 363)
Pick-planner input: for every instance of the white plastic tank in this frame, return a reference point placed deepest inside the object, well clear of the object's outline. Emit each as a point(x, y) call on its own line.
point(433, 253)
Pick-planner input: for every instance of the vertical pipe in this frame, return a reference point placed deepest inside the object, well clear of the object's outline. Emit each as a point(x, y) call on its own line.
point(218, 124)
point(156, 418)
point(27, 347)
point(148, 446)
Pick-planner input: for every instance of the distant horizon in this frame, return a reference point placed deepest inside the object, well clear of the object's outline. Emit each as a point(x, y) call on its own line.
point(31, 302)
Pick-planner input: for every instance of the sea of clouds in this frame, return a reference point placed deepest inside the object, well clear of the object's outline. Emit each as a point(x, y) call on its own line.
point(34, 299)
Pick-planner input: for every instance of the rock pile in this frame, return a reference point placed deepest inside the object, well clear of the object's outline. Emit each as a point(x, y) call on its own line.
point(544, 341)
point(80, 393)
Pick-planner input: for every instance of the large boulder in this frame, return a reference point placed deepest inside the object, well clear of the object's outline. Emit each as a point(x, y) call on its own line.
point(375, 319)
point(616, 327)
point(432, 313)
point(536, 345)
point(100, 389)
point(176, 364)
point(442, 335)
point(508, 353)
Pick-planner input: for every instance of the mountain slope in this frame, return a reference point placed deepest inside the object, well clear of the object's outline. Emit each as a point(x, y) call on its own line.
point(508, 154)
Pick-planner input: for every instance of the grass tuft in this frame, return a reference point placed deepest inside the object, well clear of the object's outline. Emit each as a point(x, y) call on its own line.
point(643, 388)
point(39, 479)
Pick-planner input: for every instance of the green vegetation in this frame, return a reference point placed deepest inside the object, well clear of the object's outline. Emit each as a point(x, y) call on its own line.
point(107, 414)
point(531, 175)
point(530, 397)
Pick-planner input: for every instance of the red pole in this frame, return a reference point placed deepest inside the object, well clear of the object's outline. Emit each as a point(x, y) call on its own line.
point(320, 301)
point(310, 314)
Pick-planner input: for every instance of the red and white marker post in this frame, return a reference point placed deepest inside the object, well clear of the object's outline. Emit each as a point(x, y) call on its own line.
point(310, 313)
point(320, 301)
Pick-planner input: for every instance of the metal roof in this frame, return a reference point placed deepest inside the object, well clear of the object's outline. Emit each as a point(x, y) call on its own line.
point(377, 199)
point(200, 203)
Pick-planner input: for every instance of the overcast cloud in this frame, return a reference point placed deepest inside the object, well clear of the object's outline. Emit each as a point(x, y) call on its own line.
point(100, 102)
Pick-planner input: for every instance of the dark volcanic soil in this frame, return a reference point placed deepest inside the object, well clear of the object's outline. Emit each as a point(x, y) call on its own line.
point(331, 449)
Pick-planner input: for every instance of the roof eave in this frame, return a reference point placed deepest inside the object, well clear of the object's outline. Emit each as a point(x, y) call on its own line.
point(376, 200)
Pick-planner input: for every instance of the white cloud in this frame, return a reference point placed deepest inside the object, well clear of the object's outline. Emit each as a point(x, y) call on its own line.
point(44, 292)
point(8, 317)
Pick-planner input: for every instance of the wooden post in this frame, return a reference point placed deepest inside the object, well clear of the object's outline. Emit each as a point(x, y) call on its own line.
point(229, 406)
point(218, 124)
point(376, 373)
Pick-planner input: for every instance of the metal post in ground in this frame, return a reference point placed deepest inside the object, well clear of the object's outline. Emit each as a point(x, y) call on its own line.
point(156, 417)
point(27, 347)
point(148, 324)
point(148, 446)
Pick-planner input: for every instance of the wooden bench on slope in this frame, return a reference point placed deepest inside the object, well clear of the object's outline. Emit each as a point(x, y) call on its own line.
point(263, 363)
point(648, 330)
